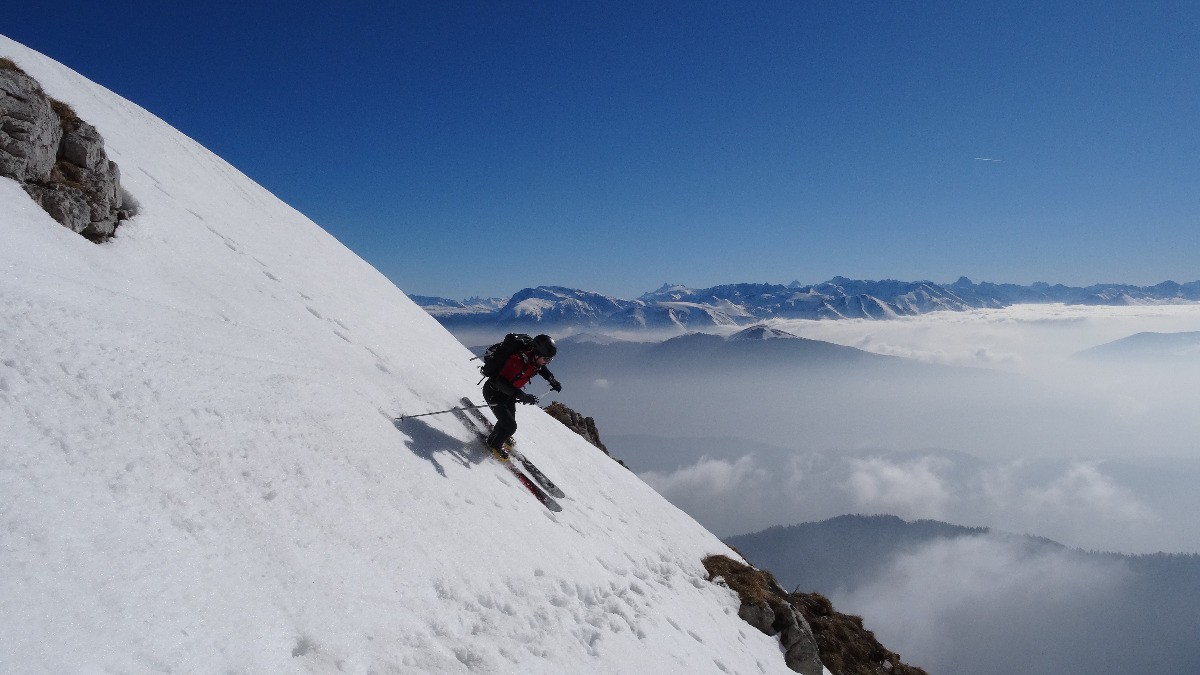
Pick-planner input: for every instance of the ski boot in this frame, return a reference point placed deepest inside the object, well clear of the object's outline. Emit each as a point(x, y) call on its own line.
point(499, 451)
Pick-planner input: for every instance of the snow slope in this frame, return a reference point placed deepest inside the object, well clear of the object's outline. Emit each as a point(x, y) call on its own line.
point(201, 473)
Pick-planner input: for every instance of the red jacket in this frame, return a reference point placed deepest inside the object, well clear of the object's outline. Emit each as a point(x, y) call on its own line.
point(517, 371)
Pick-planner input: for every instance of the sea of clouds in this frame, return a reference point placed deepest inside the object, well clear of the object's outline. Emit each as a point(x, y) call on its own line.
point(1096, 454)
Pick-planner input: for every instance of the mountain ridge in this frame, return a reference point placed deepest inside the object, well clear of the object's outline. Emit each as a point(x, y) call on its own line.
point(1147, 346)
point(675, 306)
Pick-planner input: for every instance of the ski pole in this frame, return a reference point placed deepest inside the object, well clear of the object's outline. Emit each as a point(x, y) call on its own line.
point(442, 412)
point(465, 407)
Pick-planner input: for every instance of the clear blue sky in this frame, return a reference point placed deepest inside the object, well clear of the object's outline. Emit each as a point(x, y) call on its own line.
point(477, 148)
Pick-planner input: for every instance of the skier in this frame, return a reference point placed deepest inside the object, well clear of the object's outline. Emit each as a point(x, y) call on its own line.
point(517, 363)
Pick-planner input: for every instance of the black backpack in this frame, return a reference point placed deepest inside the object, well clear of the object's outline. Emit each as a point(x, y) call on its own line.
point(494, 357)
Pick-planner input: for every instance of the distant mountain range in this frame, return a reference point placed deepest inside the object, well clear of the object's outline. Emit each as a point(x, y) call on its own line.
point(678, 307)
point(1167, 348)
point(847, 551)
point(746, 352)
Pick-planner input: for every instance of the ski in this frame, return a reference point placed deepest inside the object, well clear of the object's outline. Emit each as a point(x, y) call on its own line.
point(533, 488)
point(538, 493)
point(546, 484)
point(536, 473)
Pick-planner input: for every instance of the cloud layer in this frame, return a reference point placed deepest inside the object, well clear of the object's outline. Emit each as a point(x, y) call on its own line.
point(1086, 504)
point(1003, 428)
point(1099, 455)
point(988, 605)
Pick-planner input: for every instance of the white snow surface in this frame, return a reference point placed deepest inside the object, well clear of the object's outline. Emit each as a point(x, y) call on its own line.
point(201, 473)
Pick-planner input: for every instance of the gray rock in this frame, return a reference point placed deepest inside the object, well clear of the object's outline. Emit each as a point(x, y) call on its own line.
point(30, 132)
point(799, 643)
point(767, 607)
point(760, 615)
point(83, 147)
point(795, 635)
point(68, 205)
point(59, 158)
point(584, 426)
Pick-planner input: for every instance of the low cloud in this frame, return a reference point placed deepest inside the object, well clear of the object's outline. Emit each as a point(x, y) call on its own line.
point(1023, 338)
point(708, 477)
point(1085, 452)
point(1089, 505)
point(726, 496)
point(980, 605)
point(1084, 494)
point(911, 489)
point(964, 355)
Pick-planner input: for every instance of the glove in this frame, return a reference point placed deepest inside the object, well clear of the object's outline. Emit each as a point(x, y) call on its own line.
point(527, 399)
point(554, 384)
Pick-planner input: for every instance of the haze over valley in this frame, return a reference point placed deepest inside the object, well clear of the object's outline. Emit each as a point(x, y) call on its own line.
point(1014, 418)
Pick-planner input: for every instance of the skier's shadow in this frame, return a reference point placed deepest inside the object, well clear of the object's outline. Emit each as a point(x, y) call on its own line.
point(427, 441)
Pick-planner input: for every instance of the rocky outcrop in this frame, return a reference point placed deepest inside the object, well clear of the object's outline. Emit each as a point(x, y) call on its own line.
point(29, 129)
point(810, 631)
point(584, 426)
point(765, 606)
point(58, 158)
point(847, 647)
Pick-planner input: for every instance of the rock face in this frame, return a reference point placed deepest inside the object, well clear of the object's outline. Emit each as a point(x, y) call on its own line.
point(58, 158)
point(765, 606)
point(584, 426)
point(29, 129)
point(847, 647)
point(811, 632)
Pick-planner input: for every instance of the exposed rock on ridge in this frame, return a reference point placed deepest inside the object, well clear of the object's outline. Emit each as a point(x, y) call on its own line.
point(811, 633)
point(765, 606)
point(584, 426)
point(58, 158)
point(846, 646)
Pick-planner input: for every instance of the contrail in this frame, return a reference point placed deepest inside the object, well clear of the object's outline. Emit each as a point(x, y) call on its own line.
point(987, 159)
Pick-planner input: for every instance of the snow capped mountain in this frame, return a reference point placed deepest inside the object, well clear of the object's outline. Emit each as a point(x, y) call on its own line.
point(553, 305)
point(680, 308)
point(763, 332)
point(986, 294)
point(202, 472)
point(677, 316)
point(440, 307)
point(749, 300)
point(668, 290)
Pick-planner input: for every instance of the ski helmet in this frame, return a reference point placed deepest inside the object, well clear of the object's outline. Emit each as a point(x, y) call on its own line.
point(544, 345)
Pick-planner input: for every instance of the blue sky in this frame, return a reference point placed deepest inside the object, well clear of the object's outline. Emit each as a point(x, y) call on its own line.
point(478, 148)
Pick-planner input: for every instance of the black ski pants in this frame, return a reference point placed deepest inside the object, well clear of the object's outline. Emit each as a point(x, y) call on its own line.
point(504, 407)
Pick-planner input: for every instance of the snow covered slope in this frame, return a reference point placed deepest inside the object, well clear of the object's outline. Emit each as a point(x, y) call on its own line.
point(201, 473)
